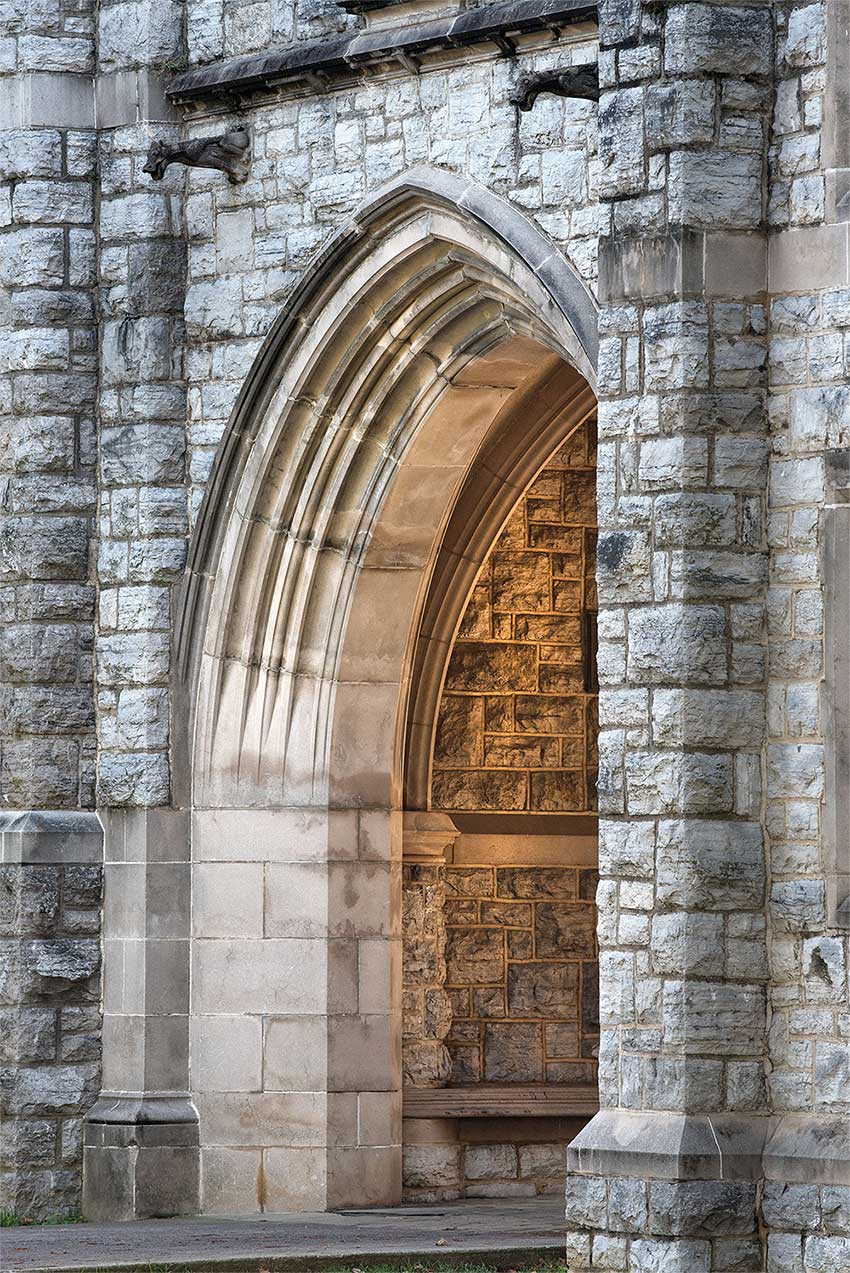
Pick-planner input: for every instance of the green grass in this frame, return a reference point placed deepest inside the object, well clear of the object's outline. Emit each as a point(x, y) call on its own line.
point(11, 1219)
point(439, 1266)
point(430, 1266)
point(420, 1266)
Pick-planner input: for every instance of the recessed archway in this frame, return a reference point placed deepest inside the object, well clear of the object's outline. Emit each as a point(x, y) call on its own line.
point(426, 348)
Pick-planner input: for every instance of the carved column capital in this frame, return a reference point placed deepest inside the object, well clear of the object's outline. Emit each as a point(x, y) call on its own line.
point(428, 838)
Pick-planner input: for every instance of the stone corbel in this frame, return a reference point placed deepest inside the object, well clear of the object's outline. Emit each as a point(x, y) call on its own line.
point(576, 81)
point(229, 153)
point(428, 839)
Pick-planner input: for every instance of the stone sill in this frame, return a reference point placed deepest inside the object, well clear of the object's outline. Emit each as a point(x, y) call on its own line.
point(484, 1100)
point(497, 823)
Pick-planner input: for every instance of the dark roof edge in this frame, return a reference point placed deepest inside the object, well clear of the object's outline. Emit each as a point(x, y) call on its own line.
point(368, 6)
point(240, 75)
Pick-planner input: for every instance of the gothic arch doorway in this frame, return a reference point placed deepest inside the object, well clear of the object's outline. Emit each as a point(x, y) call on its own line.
point(500, 853)
point(440, 341)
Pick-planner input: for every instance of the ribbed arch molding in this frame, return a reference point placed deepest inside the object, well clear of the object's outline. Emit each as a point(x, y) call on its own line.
point(426, 336)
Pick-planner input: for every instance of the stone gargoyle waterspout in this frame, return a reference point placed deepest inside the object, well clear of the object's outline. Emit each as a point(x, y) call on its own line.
point(574, 81)
point(229, 153)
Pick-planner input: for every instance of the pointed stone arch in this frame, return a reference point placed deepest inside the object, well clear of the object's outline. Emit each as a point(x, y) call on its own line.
point(428, 365)
point(431, 273)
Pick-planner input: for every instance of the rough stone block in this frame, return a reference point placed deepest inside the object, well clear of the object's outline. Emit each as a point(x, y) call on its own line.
point(714, 718)
point(691, 782)
point(690, 944)
point(731, 40)
point(490, 1162)
point(713, 1017)
point(621, 128)
point(827, 1255)
point(671, 1083)
point(692, 519)
point(48, 548)
point(429, 1166)
point(587, 1202)
point(680, 113)
point(626, 849)
point(797, 905)
point(543, 989)
point(627, 1207)
point(795, 1207)
point(689, 639)
point(564, 930)
point(474, 956)
point(513, 1053)
point(536, 883)
point(710, 865)
point(703, 1208)
point(27, 1034)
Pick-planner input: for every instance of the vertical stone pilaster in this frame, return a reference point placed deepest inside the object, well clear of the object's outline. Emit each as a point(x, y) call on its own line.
point(807, 1161)
point(50, 840)
point(667, 1172)
point(141, 1155)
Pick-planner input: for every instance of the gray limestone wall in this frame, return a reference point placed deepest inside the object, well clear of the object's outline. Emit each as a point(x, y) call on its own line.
point(723, 176)
point(220, 28)
point(315, 159)
point(50, 884)
point(49, 1032)
point(724, 477)
point(92, 530)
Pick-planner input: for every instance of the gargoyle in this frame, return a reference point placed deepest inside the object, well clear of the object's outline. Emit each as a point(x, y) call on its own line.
point(229, 153)
point(575, 81)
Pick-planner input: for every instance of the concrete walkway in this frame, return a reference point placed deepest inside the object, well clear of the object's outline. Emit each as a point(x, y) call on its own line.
point(502, 1232)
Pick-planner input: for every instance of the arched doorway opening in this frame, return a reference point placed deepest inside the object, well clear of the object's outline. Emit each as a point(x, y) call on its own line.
point(440, 341)
point(501, 1016)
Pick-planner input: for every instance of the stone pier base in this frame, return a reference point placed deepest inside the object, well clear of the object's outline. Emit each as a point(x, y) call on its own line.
point(141, 1163)
point(698, 1194)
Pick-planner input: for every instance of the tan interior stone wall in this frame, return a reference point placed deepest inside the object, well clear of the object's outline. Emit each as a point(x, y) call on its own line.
point(517, 732)
point(521, 974)
point(518, 722)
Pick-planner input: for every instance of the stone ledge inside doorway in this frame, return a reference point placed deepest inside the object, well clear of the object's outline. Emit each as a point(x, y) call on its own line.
point(508, 1101)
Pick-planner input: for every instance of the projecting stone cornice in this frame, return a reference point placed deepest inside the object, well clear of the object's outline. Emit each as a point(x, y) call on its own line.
point(317, 65)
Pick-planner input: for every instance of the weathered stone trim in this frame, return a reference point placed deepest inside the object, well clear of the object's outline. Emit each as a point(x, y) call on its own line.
point(122, 98)
point(42, 98)
point(670, 1146)
point(808, 258)
point(488, 1100)
point(808, 1149)
point(303, 65)
point(43, 836)
point(835, 564)
point(836, 111)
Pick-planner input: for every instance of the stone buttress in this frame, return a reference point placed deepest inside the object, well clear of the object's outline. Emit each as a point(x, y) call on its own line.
point(695, 1155)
